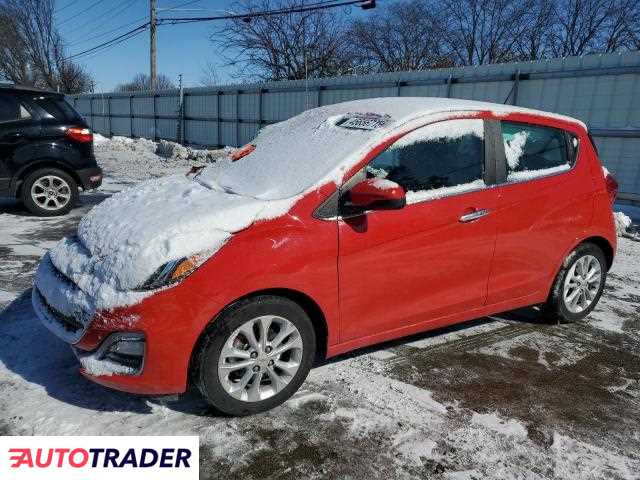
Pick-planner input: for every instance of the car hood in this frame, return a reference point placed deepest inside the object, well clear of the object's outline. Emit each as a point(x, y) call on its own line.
point(126, 238)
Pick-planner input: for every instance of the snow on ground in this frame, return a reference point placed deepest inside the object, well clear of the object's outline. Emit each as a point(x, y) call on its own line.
point(506, 397)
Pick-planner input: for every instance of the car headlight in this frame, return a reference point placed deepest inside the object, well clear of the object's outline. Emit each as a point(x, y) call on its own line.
point(172, 272)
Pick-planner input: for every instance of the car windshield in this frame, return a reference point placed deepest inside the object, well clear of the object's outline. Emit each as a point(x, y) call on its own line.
point(295, 155)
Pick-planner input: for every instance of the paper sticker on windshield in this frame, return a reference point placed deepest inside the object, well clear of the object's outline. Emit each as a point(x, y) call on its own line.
point(363, 121)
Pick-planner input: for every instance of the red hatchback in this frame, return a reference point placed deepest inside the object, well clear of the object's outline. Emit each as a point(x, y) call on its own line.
point(345, 226)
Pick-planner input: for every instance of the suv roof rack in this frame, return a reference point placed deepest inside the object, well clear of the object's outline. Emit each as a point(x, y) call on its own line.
point(26, 89)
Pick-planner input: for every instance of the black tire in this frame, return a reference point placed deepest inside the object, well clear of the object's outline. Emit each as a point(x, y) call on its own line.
point(30, 203)
point(556, 308)
point(205, 365)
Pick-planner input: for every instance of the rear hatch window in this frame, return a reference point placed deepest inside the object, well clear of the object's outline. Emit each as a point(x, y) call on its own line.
point(58, 108)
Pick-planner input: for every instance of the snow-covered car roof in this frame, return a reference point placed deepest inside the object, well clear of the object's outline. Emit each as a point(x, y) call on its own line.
point(302, 152)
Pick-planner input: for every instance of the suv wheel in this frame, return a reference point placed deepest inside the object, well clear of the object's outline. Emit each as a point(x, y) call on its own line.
point(578, 285)
point(255, 356)
point(48, 192)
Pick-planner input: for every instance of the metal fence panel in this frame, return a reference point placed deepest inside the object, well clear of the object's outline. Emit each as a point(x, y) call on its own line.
point(601, 90)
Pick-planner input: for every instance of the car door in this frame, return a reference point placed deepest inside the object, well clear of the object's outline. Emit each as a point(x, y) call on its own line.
point(17, 127)
point(432, 258)
point(546, 202)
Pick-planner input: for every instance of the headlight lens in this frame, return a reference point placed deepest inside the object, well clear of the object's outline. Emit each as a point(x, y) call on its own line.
point(172, 272)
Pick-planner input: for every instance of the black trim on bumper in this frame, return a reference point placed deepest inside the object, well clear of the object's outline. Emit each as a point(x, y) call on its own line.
point(85, 175)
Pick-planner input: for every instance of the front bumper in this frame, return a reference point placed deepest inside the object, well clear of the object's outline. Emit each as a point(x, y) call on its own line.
point(90, 178)
point(168, 321)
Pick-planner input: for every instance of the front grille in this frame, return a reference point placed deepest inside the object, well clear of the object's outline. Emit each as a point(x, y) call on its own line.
point(69, 323)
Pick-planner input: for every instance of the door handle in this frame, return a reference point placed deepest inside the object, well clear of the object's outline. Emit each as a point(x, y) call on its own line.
point(470, 217)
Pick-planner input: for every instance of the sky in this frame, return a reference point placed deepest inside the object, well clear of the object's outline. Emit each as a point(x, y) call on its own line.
point(182, 49)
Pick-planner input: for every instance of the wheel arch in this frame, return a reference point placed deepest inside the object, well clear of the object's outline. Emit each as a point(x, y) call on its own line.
point(604, 245)
point(308, 304)
point(16, 187)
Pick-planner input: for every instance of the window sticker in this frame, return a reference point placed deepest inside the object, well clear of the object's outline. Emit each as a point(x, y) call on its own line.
point(363, 121)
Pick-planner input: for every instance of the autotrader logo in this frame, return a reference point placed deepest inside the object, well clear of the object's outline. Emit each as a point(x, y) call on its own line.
point(70, 458)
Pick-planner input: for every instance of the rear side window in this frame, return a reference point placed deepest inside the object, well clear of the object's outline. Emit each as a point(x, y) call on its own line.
point(58, 108)
point(435, 161)
point(12, 110)
point(532, 151)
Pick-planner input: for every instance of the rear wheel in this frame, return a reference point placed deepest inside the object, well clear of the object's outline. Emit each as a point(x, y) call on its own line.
point(255, 356)
point(48, 192)
point(579, 284)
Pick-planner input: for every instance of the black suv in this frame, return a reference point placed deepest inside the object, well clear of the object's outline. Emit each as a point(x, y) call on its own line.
point(46, 151)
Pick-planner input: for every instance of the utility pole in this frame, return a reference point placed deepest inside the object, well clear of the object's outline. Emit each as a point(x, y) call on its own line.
point(153, 25)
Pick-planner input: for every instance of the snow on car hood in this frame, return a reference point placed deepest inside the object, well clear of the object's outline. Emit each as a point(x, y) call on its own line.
point(126, 238)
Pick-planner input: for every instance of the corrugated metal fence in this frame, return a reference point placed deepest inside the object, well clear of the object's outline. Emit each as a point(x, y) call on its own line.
point(601, 90)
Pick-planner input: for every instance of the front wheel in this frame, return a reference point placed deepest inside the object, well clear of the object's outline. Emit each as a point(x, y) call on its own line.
point(578, 285)
point(255, 355)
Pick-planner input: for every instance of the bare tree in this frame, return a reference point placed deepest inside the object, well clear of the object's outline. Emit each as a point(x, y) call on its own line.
point(209, 75)
point(286, 46)
point(478, 32)
point(535, 42)
point(32, 51)
point(593, 26)
point(403, 36)
point(141, 82)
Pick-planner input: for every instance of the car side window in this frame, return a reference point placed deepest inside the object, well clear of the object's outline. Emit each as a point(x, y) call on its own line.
point(12, 110)
point(533, 151)
point(434, 161)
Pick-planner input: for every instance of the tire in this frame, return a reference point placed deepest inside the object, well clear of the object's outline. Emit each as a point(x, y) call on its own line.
point(234, 390)
point(559, 306)
point(43, 201)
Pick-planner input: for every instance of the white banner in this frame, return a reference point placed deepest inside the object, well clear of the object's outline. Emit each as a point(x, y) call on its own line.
point(99, 458)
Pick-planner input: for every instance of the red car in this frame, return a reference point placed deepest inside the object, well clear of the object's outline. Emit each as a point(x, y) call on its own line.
point(345, 226)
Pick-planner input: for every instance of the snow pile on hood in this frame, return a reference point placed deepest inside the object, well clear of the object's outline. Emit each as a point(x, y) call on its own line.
point(126, 238)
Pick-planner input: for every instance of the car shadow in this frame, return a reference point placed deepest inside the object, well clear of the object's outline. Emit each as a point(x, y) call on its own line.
point(527, 315)
point(90, 200)
point(29, 350)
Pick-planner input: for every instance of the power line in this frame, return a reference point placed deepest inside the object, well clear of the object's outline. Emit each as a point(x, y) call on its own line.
point(70, 4)
point(249, 15)
point(104, 34)
point(116, 11)
point(114, 41)
point(263, 13)
point(93, 5)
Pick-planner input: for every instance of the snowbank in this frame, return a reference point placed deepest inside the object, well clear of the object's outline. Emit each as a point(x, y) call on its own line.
point(623, 223)
point(162, 148)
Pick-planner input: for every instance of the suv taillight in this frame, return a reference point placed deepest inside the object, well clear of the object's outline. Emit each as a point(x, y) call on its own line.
point(612, 187)
point(80, 135)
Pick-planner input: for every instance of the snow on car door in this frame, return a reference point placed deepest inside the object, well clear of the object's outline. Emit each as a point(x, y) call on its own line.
point(432, 258)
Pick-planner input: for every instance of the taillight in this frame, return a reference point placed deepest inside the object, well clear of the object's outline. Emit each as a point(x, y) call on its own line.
point(80, 135)
point(612, 187)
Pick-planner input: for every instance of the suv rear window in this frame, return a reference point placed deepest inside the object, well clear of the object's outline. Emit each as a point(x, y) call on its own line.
point(58, 108)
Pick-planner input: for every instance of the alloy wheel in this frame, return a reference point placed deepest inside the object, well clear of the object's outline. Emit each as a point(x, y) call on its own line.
point(51, 192)
point(582, 283)
point(260, 358)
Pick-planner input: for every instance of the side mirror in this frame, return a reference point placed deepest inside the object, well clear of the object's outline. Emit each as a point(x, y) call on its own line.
point(374, 194)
